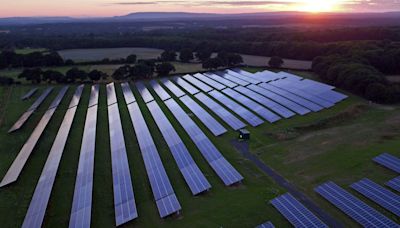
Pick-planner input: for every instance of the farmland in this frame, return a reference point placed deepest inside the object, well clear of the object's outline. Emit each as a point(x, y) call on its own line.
point(306, 150)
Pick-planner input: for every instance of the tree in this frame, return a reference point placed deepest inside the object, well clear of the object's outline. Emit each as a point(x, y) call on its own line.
point(74, 74)
point(376, 92)
point(186, 55)
point(234, 59)
point(203, 54)
point(275, 62)
point(6, 80)
point(53, 76)
point(69, 62)
point(212, 63)
point(168, 55)
point(122, 73)
point(33, 75)
point(164, 69)
point(96, 75)
point(131, 59)
point(142, 70)
point(53, 59)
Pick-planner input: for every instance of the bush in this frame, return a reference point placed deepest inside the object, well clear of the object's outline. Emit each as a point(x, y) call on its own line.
point(275, 62)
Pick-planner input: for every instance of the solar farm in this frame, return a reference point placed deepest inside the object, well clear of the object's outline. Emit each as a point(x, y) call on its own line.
point(161, 153)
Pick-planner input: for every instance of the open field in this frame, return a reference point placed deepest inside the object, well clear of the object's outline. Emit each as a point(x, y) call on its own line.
point(335, 144)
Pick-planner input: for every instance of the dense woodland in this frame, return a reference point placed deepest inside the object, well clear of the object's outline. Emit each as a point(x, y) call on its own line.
point(356, 59)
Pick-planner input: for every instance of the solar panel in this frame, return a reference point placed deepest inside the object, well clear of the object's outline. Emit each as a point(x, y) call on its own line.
point(233, 78)
point(277, 108)
point(306, 103)
point(144, 92)
point(226, 172)
point(389, 161)
point(128, 95)
point(16, 168)
point(263, 112)
point(213, 125)
point(29, 94)
point(82, 200)
point(163, 193)
point(288, 86)
point(37, 207)
point(251, 118)
point(221, 80)
point(220, 111)
point(209, 81)
point(246, 77)
point(21, 121)
point(353, 207)
point(394, 184)
point(111, 94)
point(194, 178)
point(290, 76)
point(266, 225)
point(199, 84)
point(173, 88)
point(379, 195)
point(297, 214)
point(124, 199)
point(185, 85)
point(160, 91)
point(279, 99)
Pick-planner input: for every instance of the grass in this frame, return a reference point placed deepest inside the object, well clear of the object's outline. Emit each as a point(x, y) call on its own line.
point(335, 144)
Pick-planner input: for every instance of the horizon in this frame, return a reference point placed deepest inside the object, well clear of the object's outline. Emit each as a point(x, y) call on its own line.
point(109, 8)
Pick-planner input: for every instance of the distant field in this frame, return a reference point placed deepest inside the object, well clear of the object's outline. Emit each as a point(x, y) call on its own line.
point(394, 78)
point(288, 63)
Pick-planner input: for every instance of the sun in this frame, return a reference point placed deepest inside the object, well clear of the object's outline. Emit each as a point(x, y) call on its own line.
point(318, 6)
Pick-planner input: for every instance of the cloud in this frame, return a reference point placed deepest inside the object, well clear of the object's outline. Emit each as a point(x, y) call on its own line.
point(146, 3)
point(247, 3)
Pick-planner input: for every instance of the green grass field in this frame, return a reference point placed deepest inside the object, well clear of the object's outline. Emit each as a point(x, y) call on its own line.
point(335, 144)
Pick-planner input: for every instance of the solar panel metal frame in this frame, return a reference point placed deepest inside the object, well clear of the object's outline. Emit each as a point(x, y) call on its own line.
point(245, 114)
point(29, 94)
point(212, 124)
point(394, 183)
point(196, 82)
point(226, 172)
point(144, 92)
point(389, 161)
point(82, 198)
point(160, 91)
point(193, 176)
point(221, 80)
point(252, 105)
point(186, 86)
point(209, 81)
point(125, 208)
point(380, 195)
point(37, 207)
point(220, 111)
point(352, 206)
point(296, 213)
point(173, 88)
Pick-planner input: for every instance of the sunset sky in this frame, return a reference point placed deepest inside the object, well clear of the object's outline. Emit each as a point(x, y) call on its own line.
point(96, 8)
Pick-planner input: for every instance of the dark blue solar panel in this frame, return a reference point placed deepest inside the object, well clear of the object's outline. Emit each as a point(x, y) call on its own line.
point(128, 95)
point(224, 170)
point(297, 214)
point(173, 88)
point(379, 195)
point(160, 91)
point(212, 124)
point(260, 110)
point(199, 84)
point(246, 77)
point(284, 112)
point(281, 100)
point(266, 225)
point(251, 118)
point(195, 179)
point(186, 86)
point(144, 92)
point(29, 94)
point(389, 161)
point(220, 111)
point(233, 78)
point(353, 207)
point(221, 80)
point(394, 184)
point(209, 81)
point(94, 96)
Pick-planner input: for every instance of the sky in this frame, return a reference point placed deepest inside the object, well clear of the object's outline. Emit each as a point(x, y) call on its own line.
point(100, 8)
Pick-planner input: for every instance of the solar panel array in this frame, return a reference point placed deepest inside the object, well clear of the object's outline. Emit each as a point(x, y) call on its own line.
point(220, 111)
point(185, 85)
point(266, 225)
point(124, 199)
point(82, 200)
point(277, 108)
point(353, 207)
point(209, 81)
point(16, 167)
point(21, 121)
point(127, 92)
point(199, 84)
point(279, 99)
point(213, 125)
point(220, 165)
point(194, 178)
point(233, 78)
point(163, 193)
point(379, 195)
point(260, 110)
point(246, 77)
point(297, 214)
point(221, 80)
point(37, 207)
point(389, 161)
point(160, 91)
point(248, 116)
point(144, 92)
point(394, 184)
point(29, 94)
point(173, 88)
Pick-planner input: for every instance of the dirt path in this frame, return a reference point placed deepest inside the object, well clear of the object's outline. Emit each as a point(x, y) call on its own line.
point(243, 148)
